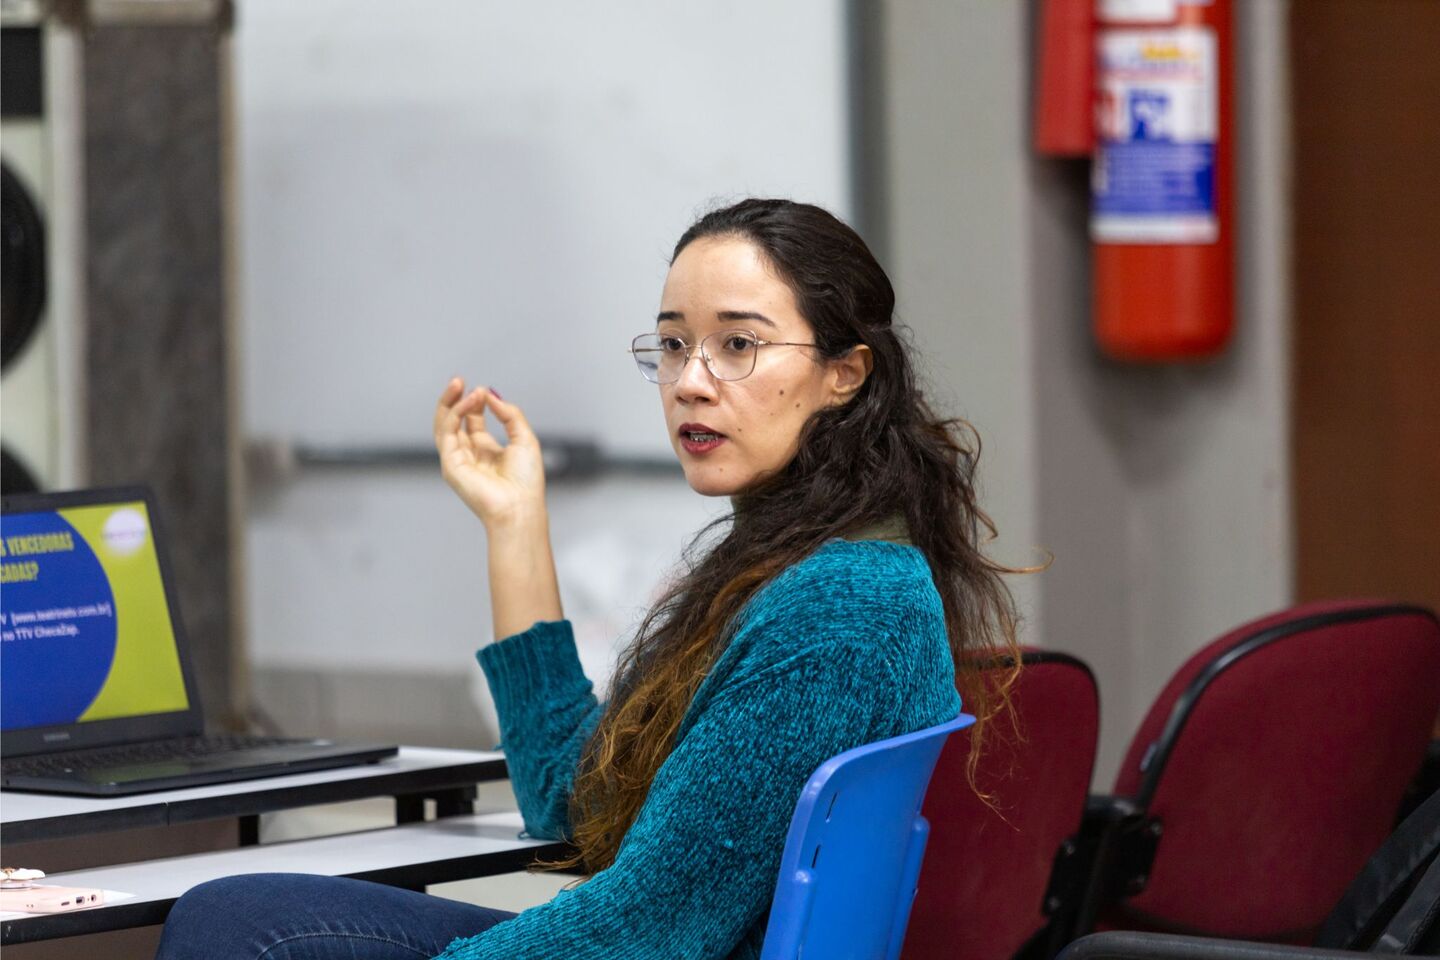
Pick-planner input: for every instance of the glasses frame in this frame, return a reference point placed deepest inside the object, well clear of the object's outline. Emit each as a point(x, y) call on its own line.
point(690, 349)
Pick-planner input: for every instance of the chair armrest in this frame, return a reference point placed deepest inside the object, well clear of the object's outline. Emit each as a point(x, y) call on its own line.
point(1126, 945)
point(1074, 864)
point(1118, 842)
point(1103, 810)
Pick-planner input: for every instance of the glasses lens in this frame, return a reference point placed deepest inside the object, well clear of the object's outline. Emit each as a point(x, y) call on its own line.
point(659, 358)
point(732, 354)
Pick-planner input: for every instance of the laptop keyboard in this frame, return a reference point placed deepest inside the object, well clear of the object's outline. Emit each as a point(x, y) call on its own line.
point(154, 751)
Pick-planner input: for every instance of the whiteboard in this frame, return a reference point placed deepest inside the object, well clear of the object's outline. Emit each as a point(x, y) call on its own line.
point(444, 187)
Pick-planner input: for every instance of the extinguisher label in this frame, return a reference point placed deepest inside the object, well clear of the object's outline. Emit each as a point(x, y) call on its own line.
point(1139, 11)
point(1156, 124)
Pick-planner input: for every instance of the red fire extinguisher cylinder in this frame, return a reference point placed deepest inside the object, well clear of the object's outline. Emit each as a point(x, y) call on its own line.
point(1162, 222)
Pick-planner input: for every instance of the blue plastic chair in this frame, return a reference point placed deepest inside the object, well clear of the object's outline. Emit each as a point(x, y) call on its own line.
point(852, 857)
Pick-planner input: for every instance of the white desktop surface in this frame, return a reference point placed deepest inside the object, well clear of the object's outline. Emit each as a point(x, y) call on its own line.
point(16, 806)
point(344, 854)
point(111, 897)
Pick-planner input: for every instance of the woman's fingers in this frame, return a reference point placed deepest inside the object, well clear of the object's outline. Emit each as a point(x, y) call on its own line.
point(479, 436)
point(493, 479)
point(460, 432)
point(451, 418)
point(451, 438)
point(448, 396)
point(516, 426)
point(452, 407)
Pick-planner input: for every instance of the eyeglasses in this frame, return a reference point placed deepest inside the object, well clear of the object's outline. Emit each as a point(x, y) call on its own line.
point(728, 354)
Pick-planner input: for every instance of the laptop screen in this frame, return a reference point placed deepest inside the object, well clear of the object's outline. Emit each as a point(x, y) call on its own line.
point(85, 627)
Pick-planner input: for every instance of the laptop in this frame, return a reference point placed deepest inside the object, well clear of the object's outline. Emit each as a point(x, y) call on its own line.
point(97, 691)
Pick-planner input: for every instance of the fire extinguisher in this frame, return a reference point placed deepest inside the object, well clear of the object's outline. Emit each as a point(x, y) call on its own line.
point(1162, 166)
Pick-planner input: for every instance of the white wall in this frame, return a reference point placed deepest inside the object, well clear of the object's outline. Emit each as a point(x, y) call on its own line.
point(959, 251)
point(488, 189)
point(400, 182)
point(1163, 493)
point(493, 189)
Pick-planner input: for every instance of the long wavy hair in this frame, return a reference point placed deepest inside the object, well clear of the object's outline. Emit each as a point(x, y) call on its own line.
point(881, 453)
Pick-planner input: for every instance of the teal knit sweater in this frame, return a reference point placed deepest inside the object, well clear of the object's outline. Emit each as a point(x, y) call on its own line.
point(844, 648)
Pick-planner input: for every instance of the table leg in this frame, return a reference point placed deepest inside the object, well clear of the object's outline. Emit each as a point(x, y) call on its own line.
point(410, 807)
point(454, 803)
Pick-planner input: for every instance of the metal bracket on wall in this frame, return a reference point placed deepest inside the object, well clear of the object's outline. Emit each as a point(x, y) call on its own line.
point(271, 461)
point(155, 13)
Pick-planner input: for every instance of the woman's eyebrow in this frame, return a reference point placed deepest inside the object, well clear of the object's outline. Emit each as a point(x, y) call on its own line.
point(746, 315)
point(679, 317)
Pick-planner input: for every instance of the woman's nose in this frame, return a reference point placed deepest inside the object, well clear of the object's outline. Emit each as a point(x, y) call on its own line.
point(696, 381)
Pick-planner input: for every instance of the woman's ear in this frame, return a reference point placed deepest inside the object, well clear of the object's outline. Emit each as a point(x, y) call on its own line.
point(848, 373)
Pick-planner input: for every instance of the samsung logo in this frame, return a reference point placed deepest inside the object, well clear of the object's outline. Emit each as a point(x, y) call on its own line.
point(54, 737)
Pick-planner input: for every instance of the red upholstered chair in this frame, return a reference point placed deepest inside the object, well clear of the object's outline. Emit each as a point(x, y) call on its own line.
point(1393, 907)
point(986, 877)
point(1270, 767)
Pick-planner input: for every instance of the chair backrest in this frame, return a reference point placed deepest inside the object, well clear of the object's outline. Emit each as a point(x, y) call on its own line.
point(851, 859)
point(1275, 761)
point(987, 870)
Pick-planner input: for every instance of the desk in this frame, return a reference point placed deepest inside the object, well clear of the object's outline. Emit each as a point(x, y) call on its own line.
point(411, 855)
point(457, 845)
point(416, 774)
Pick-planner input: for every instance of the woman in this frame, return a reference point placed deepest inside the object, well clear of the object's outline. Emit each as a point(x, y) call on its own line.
point(828, 613)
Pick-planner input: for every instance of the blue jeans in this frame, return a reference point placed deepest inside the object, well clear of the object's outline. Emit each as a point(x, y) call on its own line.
point(296, 916)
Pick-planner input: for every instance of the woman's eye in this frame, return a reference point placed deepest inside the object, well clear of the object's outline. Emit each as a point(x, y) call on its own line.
point(672, 344)
point(738, 344)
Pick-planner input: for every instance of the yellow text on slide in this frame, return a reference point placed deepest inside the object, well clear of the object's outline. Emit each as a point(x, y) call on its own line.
point(32, 544)
point(19, 572)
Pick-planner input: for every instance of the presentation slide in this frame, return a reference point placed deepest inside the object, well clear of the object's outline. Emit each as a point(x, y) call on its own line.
point(85, 633)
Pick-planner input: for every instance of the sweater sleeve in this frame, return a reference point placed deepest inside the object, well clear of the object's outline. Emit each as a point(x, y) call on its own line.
point(547, 712)
point(697, 869)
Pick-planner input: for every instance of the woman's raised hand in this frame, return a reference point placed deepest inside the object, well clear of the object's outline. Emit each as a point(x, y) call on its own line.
point(500, 484)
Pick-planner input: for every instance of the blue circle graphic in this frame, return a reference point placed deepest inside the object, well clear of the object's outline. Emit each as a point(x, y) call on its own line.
point(59, 629)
